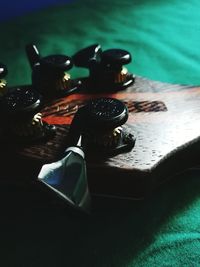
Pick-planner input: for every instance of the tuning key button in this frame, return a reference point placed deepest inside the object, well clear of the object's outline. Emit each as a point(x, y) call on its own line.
point(109, 73)
point(56, 63)
point(33, 55)
point(49, 76)
point(116, 57)
point(51, 79)
point(88, 57)
point(113, 70)
point(22, 120)
point(3, 73)
point(105, 114)
point(101, 123)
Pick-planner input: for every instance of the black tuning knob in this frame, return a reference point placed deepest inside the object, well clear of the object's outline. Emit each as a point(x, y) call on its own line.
point(3, 73)
point(113, 71)
point(116, 58)
point(88, 57)
point(33, 55)
point(99, 123)
point(56, 63)
point(49, 75)
point(106, 69)
point(105, 114)
point(21, 117)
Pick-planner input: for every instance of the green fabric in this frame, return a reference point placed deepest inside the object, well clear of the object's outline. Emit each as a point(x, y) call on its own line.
point(164, 230)
point(163, 36)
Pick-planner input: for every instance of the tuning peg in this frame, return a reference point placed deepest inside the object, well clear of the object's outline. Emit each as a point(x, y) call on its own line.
point(32, 55)
point(100, 124)
point(49, 75)
point(106, 68)
point(56, 63)
point(88, 57)
point(112, 69)
point(115, 58)
point(21, 117)
point(3, 83)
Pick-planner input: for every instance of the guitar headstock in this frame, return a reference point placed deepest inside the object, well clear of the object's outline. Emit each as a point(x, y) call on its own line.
point(163, 118)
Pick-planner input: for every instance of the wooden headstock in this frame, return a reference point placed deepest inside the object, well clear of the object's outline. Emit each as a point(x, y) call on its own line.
point(164, 118)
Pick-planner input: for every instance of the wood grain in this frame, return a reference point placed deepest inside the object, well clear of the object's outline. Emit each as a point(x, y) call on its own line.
point(165, 119)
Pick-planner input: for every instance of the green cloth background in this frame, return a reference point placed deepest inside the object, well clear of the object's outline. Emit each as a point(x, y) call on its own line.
point(164, 230)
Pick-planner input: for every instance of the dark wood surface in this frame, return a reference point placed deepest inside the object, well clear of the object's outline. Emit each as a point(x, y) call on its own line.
point(165, 120)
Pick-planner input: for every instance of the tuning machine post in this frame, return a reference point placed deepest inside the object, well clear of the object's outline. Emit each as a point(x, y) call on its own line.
point(50, 75)
point(106, 68)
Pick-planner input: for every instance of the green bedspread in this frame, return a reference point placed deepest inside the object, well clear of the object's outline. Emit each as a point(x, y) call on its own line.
point(164, 39)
